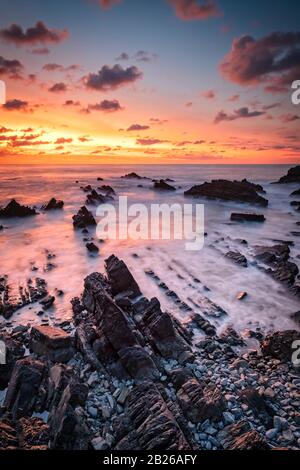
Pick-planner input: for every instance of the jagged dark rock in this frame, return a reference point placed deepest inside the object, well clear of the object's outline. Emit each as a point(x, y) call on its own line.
point(26, 390)
point(14, 209)
point(239, 436)
point(83, 218)
point(120, 278)
point(95, 198)
point(241, 217)
point(279, 344)
point(107, 189)
point(53, 204)
point(54, 343)
point(240, 191)
point(134, 175)
point(151, 425)
point(199, 403)
point(237, 258)
point(91, 247)
point(295, 193)
point(293, 176)
point(163, 185)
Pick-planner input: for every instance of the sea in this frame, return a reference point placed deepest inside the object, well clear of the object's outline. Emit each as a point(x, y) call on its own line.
point(25, 244)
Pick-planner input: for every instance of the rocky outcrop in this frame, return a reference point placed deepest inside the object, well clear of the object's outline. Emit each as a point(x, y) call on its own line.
point(152, 425)
point(14, 209)
point(295, 193)
point(237, 258)
point(107, 189)
point(83, 218)
point(53, 204)
point(14, 297)
point(163, 185)
point(51, 342)
point(95, 198)
point(134, 176)
point(293, 176)
point(246, 217)
point(91, 247)
point(26, 434)
point(279, 344)
point(239, 191)
point(277, 257)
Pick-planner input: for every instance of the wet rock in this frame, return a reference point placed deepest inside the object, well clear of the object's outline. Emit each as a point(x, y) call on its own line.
point(91, 247)
point(279, 344)
point(240, 191)
point(33, 434)
point(107, 189)
point(200, 404)
point(98, 443)
point(14, 297)
point(293, 176)
point(120, 278)
point(295, 193)
point(8, 435)
point(161, 184)
point(152, 424)
point(54, 343)
point(239, 436)
point(53, 204)
point(134, 175)
point(14, 209)
point(47, 302)
point(26, 389)
point(237, 258)
point(241, 295)
point(231, 337)
point(241, 217)
point(83, 218)
point(95, 198)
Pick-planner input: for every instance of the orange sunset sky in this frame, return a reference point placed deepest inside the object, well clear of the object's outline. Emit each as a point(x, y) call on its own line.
point(166, 81)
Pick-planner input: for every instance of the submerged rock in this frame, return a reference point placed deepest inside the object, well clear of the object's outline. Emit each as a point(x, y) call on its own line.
point(240, 217)
point(240, 191)
point(237, 258)
point(53, 204)
point(134, 175)
point(293, 176)
point(14, 209)
point(83, 218)
point(161, 184)
point(92, 248)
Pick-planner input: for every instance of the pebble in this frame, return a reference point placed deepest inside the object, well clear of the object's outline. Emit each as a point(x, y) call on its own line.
point(92, 412)
point(271, 433)
point(228, 417)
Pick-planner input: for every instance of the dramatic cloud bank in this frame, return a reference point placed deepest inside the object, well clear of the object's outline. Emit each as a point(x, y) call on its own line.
point(273, 60)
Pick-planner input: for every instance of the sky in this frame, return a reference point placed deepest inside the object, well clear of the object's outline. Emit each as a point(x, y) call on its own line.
point(160, 81)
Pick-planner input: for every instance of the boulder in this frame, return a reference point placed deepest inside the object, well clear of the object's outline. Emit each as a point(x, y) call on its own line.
point(293, 176)
point(134, 176)
point(14, 209)
point(279, 344)
point(33, 434)
point(239, 191)
point(53, 204)
point(161, 184)
point(241, 217)
point(95, 198)
point(91, 247)
point(83, 218)
point(54, 343)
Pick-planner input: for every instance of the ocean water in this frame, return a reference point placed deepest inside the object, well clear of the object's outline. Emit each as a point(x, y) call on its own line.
point(25, 243)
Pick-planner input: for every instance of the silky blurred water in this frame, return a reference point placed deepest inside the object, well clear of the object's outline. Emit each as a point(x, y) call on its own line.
point(26, 242)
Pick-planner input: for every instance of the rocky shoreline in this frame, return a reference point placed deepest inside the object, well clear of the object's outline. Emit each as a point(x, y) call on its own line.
point(125, 375)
